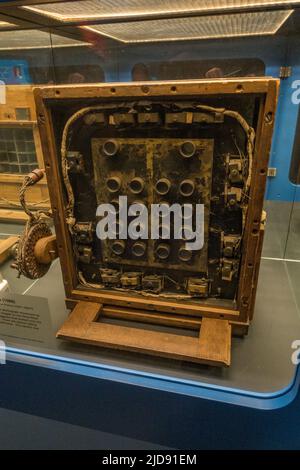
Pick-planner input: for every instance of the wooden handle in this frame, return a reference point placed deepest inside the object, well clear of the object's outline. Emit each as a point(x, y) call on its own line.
point(45, 250)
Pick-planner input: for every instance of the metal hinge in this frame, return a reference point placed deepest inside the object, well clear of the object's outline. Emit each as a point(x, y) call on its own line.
point(272, 172)
point(285, 72)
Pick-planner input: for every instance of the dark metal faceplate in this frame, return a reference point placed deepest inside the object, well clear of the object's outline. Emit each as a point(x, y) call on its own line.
point(136, 171)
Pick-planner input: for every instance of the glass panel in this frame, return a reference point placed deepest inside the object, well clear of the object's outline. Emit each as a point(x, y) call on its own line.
point(25, 57)
point(89, 62)
point(18, 153)
point(293, 242)
point(195, 28)
point(195, 69)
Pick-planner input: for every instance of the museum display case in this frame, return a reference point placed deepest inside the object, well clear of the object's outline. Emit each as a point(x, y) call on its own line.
point(165, 103)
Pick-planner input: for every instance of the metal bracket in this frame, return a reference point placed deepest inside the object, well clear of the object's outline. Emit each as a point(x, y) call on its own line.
point(285, 72)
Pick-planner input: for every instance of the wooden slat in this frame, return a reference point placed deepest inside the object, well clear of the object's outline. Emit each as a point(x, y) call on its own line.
point(155, 318)
point(132, 339)
point(155, 88)
point(79, 320)
point(9, 193)
point(5, 247)
point(17, 96)
point(262, 149)
point(8, 215)
point(169, 306)
point(18, 179)
point(257, 264)
point(145, 341)
point(16, 216)
point(215, 341)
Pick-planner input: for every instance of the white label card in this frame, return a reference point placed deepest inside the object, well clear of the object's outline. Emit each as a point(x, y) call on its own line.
point(25, 319)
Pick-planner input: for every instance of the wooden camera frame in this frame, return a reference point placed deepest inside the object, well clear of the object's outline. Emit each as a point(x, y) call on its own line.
point(215, 321)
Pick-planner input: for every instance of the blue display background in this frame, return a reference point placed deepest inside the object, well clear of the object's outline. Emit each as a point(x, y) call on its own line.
point(8, 75)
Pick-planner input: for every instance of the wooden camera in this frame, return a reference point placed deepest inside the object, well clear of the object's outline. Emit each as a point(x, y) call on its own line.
point(161, 143)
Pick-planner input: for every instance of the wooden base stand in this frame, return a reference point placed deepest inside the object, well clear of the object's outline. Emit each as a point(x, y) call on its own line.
point(212, 346)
